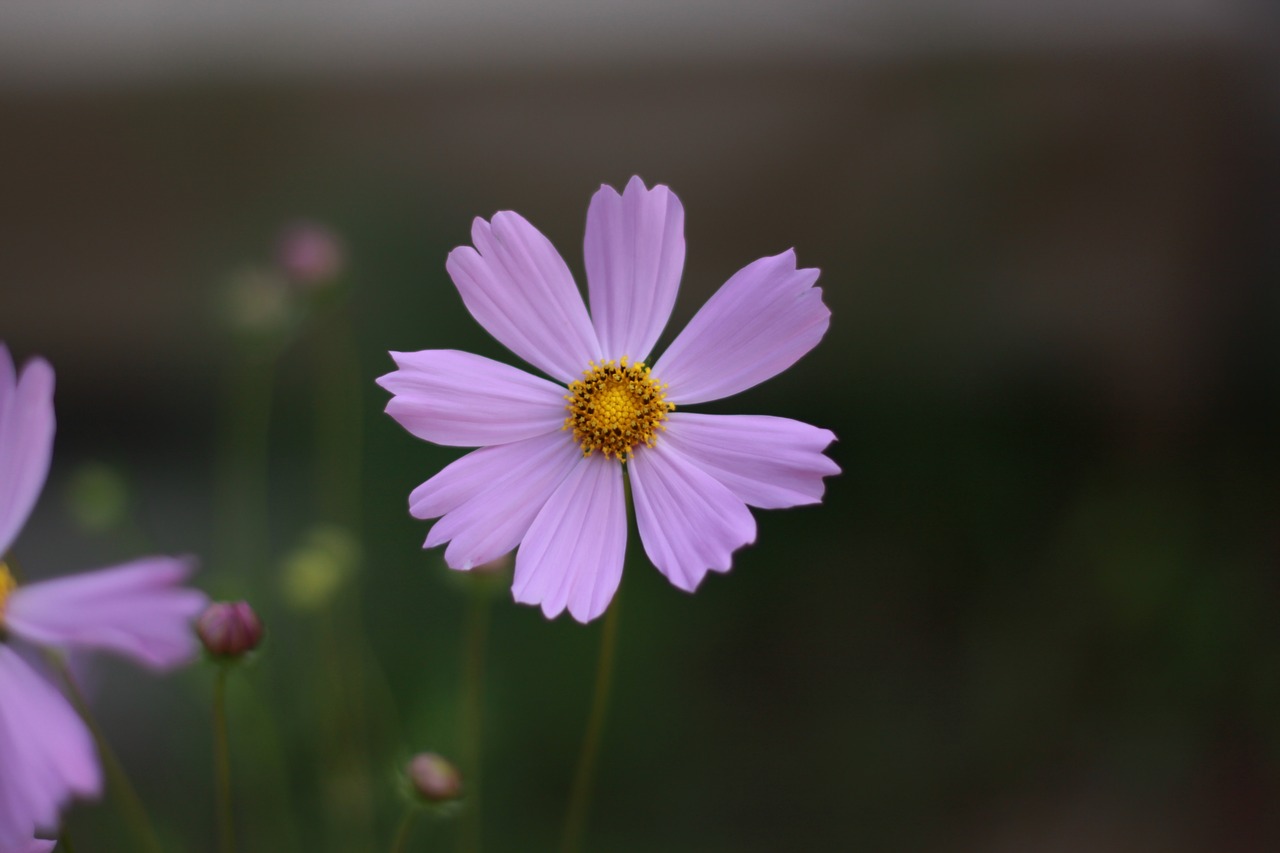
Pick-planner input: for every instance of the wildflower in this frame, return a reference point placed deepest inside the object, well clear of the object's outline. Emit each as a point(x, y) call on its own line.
point(549, 475)
point(138, 610)
point(229, 629)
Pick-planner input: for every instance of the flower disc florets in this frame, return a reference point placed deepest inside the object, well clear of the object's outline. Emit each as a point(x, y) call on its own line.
point(7, 586)
point(616, 407)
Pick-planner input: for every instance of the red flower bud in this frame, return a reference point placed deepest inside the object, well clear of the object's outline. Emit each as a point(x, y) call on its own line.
point(229, 629)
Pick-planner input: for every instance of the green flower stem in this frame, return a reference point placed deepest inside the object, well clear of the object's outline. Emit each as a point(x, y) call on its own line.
point(243, 503)
point(64, 842)
point(122, 789)
point(472, 711)
point(222, 762)
point(401, 842)
point(272, 796)
point(339, 419)
point(580, 799)
point(338, 476)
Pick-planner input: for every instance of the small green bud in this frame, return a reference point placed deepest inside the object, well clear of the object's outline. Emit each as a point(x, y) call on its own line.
point(98, 497)
point(314, 571)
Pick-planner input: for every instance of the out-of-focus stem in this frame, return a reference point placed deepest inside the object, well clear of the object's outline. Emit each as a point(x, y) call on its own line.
point(472, 711)
point(401, 842)
point(246, 428)
point(358, 679)
point(126, 795)
point(580, 799)
point(222, 763)
point(64, 842)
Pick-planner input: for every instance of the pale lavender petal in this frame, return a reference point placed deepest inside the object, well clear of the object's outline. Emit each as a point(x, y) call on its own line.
point(489, 497)
point(26, 440)
point(635, 254)
point(573, 553)
point(767, 462)
point(466, 400)
point(517, 286)
point(38, 845)
point(48, 754)
point(139, 610)
point(759, 323)
point(689, 522)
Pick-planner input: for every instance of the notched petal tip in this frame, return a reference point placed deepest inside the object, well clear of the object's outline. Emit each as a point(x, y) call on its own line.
point(760, 322)
point(480, 231)
point(38, 371)
point(516, 285)
point(689, 522)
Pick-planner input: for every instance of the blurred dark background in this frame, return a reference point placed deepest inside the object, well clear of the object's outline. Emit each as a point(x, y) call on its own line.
point(1035, 613)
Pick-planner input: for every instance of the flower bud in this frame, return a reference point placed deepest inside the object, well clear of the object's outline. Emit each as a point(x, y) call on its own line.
point(309, 254)
point(434, 779)
point(229, 629)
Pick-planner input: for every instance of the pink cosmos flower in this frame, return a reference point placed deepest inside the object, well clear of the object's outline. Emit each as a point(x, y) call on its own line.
point(549, 472)
point(139, 610)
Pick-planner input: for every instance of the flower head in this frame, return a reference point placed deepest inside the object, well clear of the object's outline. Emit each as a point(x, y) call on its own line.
point(548, 476)
point(139, 610)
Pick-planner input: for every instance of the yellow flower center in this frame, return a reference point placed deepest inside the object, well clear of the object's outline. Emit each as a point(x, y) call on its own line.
point(7, 586)
point(616, 407)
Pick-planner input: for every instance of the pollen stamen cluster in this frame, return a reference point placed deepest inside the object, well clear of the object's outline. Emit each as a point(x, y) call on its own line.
point(7, 586)
point(616, 407)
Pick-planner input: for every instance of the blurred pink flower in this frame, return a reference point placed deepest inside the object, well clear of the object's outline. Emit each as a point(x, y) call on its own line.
point(554, 484)
point(309, 254)
point(139, 610)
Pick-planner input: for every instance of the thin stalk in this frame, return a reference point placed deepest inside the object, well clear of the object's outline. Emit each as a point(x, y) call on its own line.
point(272, 785)
point(127, 796)
point(472, 711)
point(580, 799)
point(243, 502)
point(222, 763)
point(64, 842)
point(338, 465)
point(401, 842)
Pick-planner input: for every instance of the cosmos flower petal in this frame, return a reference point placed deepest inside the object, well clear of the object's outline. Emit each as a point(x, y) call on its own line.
point(635, 255)
point(26, 440)
point(475, 473)
point(38, 845)
point(489, 497)
point(759, 323)
point(465, 400)
point(139, 610)
point(48, 754)
point(517, 286)
point(573, 553)
point(689, 522)
point(767, 462)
